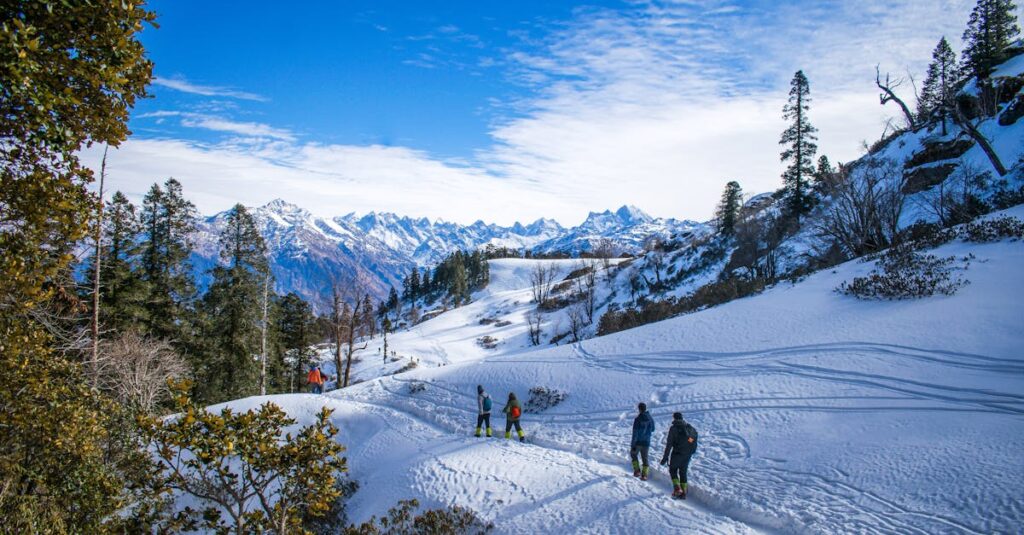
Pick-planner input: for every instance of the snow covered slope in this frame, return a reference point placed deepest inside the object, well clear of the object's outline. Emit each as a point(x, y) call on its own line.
point(817, 412)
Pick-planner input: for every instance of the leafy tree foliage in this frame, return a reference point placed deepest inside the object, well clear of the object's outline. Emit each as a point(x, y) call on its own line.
point(244, 466)
point(799, 140)
point(69, 74)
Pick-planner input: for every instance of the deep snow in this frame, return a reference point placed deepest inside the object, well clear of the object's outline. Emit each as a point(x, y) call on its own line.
point(817, 412)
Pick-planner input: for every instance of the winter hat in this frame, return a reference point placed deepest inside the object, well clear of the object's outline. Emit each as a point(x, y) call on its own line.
point(642, 406)
point(511, 395)
point(479, 389)
point(677, 416)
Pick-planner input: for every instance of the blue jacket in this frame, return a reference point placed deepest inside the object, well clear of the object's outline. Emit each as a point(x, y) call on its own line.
point(643, 428)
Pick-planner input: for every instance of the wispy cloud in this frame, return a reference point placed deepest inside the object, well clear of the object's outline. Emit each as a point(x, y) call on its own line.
point(221, 124)
point(183, 85)
point(657, 105)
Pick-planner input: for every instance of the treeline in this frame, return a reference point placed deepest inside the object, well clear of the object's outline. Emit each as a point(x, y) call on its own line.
point(456, 277)
point(239, 338)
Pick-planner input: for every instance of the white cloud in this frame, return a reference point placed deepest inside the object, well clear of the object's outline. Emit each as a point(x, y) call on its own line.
point(183, 85)
point(657, 106)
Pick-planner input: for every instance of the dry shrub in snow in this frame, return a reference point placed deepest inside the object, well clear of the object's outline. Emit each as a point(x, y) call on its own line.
point(906, 274)
point(542, 398)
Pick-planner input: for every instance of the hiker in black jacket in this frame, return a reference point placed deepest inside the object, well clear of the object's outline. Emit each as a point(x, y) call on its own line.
point(679, 447)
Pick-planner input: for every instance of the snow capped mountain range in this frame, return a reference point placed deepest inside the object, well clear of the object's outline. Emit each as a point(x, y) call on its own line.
point(309, 252)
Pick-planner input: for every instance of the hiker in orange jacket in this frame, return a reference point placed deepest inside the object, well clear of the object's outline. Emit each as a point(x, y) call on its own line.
point(512, 412)
point(316, 380)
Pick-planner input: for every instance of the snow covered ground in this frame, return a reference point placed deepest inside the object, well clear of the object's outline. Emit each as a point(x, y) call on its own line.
point(817, 412)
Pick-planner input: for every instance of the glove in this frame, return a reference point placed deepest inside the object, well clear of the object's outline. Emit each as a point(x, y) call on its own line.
point(664, 461)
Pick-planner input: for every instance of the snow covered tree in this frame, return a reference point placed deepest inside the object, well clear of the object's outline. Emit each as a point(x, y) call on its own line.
point(168, 221)
point(799, 138)
point(940, 84)
point(234, 308)
point(729, 208)
point(990, 31)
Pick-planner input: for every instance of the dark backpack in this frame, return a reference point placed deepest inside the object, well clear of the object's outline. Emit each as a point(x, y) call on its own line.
point(691, 437)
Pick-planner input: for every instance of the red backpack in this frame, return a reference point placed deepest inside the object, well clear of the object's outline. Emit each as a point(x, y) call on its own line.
point(515, 412)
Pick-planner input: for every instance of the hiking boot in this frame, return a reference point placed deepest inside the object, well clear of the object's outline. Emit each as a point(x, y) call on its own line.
point(677, 492)
point(636, 472)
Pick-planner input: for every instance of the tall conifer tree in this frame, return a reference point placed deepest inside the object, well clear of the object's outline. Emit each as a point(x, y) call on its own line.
point(234, 307)
point(990, 31)
point(799, 138)
point(729, 208)
point(940, 84)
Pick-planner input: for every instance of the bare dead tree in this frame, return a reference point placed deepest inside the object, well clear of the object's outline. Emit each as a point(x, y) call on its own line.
point(348, 302)
point(889, 95)
point(97, 262)
point(577, 320)
point(263, 334)
point(542, 278)
point(533, 319)
point(952, 201)
point(605, 251)
point(655, 256)
point(967, 125)
point(586, 287)
point(865, 210)
point(137, 369)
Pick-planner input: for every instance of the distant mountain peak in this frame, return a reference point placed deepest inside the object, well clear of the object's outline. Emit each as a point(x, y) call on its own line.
point(630, 213)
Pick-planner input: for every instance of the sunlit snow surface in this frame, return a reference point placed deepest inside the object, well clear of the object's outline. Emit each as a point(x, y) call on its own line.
point(817, 412)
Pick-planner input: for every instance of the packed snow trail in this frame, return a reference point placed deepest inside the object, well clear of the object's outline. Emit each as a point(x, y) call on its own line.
point(817, 413)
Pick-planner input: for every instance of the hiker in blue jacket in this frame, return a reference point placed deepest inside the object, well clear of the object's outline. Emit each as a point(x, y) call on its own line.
point(643, 428)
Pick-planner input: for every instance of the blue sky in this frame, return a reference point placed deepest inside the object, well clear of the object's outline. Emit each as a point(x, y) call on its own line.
point(507, 111)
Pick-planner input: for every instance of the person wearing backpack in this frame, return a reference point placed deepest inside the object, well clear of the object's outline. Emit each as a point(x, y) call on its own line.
point(316, 380)
point(679, 447)
point(512, 412)
point(483, 410)
point(643, 428)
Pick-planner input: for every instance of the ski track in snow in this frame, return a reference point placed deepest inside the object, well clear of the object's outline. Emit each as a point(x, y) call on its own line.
point(817, 413)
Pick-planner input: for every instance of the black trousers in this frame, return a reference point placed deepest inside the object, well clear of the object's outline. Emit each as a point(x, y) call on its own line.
point(510, 423)
point(481, 418)
point(642, 450)
point(677, 467)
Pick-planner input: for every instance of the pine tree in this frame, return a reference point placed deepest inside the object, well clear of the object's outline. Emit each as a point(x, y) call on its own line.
point(414, 285)
point(425, 283)
point(990, 31)
point(123, 291)
point(729, 208)
point(234, 307)
point(800, 138)
point(823, 175)
point(940, 84)
point(459, 286)
point(168, 221)
point(393, 301)
point(297, 334)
